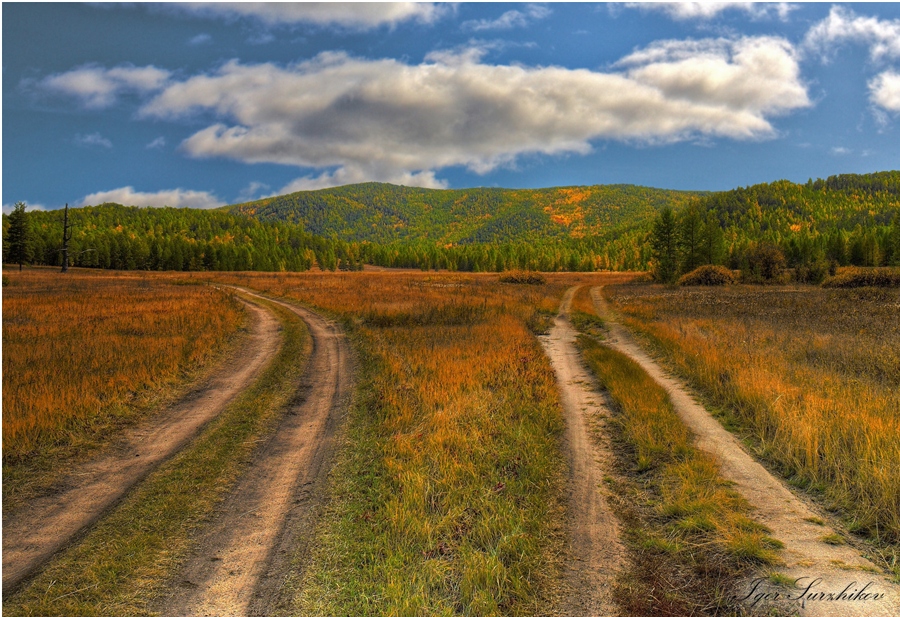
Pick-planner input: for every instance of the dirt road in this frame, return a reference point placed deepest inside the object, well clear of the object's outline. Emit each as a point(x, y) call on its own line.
point(239, 562)
point(593, 529)
point(828, 568)
point(33, 533)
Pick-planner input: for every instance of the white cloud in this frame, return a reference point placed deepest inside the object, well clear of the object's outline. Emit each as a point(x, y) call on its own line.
point(353, 118)
point(159, 142)
point(708, 10)
point(200, 39)
point(177, 198)
point(94, 139)
point(98, 87)
point(509, 19)
point(880, 35)
point(29, 207)
point(357, 15)
point(840, 151)
point(884, 91)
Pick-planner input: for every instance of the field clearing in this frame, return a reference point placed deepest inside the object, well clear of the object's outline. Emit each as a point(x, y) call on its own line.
point(88, 352)
point(811, 375)
point(449, 494)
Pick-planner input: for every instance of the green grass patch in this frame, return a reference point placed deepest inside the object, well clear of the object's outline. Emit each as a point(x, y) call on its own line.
point(124, 561)
point(446, 498)
point(689, 531)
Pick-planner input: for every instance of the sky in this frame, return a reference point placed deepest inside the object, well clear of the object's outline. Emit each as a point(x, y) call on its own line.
point(206, 104)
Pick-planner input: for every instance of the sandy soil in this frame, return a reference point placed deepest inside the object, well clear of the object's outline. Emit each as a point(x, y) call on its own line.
point(239, 563)
point(34, 532)
point(829, 569)
point(593, 529)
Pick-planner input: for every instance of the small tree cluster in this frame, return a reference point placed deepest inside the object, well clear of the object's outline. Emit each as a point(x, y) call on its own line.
point(18, 247)
point(683, 242)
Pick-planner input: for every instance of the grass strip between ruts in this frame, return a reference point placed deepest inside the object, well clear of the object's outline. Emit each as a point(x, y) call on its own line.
point(690, 534)
point(124, 561)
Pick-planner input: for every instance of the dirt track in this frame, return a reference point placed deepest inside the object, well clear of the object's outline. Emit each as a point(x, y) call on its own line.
point(592, 527)
point(33, 533)
point(806, 556)
point(239, 562)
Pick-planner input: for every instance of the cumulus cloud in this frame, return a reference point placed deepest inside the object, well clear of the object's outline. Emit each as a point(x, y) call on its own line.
point(357, 15)
point(98, 87)
point(882, 36)
point(176, 198)
point(708, 10)
point(94, 139)
point(509, 19)
point(384, 119)
point(884, 91)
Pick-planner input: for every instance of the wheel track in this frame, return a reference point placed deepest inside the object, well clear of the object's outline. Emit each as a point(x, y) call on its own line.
point(240, 560)
point(807, 558)
point(594, 531)
point(39, 529)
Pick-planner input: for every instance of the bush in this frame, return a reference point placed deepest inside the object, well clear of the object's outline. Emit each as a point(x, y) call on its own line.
point(865, 277)
point(814, 272)
point(523, 278)
point(708, 275)
point(763, 263)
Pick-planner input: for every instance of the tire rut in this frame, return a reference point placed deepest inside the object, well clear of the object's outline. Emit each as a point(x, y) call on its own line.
point(239, 562)
point(593, 530)
point(828, 568)
point(39, 529)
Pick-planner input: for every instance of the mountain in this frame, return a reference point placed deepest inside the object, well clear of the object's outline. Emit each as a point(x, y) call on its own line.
point(384, 213)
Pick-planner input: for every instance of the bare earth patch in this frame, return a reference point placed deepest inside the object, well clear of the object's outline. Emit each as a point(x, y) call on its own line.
point(593, 529)
point(813, 555)
point(38, 529)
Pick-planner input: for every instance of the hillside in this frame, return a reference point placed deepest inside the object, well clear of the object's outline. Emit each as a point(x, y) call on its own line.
point(384, 213)
point(848, 219)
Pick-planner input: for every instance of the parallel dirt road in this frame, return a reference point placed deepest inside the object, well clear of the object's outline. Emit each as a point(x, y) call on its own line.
point(34, 532)
point(239, 563)
point(593, 529)
point(826, 568)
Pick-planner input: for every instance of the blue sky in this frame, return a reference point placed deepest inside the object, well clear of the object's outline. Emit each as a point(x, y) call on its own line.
point(201, 105)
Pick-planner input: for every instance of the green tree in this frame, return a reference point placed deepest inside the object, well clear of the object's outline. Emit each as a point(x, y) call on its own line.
point(18, 246)
point(664, 241)
point(712, 240)
point(690, 228)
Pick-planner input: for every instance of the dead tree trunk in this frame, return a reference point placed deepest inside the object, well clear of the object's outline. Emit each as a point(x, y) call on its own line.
point(67, 235)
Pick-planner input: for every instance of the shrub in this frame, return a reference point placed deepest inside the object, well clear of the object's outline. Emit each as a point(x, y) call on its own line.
point(814, 272)
point(523, 278)
point(865, 277)
point(708, 275)
point(763, 263)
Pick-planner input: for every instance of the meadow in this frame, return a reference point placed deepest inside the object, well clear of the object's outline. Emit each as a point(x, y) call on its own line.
point(448, 497)
point(810, 376)
point(88, 352)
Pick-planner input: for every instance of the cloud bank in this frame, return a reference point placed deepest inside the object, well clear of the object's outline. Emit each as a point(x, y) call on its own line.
point(98, 87)
point(683, 11)
point(881, 36)
point(359, 15)
point(177, 198)
point(356, 119)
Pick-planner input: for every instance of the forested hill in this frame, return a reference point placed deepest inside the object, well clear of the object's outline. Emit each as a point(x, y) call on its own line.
point(384, 213)
point(848, 219)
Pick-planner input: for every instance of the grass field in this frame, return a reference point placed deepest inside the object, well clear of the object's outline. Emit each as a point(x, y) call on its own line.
point(448, 498)
point(811, 375)
point(89, 352)
point(125, 561)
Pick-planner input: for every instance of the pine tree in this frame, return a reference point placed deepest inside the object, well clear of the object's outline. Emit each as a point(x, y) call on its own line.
point(690, 226)
point(664, 241)
point(18, 245)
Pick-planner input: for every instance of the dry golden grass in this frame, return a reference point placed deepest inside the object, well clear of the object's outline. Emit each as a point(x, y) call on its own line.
point(448, 497)
point(78, 350)
point(812, 374)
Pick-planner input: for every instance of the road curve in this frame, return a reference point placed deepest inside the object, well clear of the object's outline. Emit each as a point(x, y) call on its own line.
point(36, 531)
point(828, 568)
point(592, 528)
point(235, 569)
